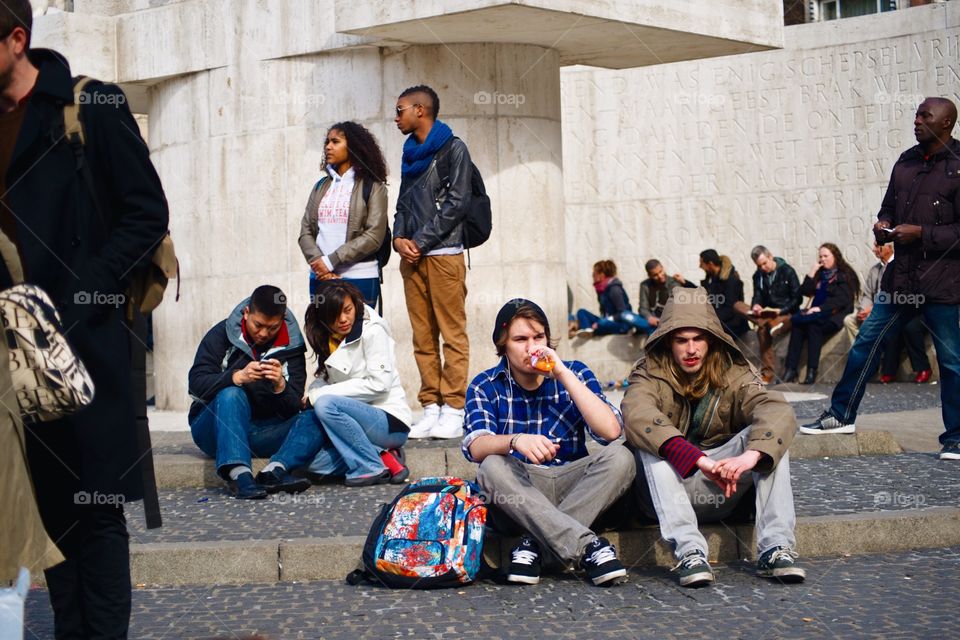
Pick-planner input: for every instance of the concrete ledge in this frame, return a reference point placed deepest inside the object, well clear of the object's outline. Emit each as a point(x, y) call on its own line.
point(609, 357)
point(178, 471)
point(334, 558)
point(204, 562)
point(320, 558)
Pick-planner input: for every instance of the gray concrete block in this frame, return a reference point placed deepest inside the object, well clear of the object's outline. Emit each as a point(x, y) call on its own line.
point(425, 462)
point(834, 445)
point(878, 531)
point(459, 466)
point(877, 443)
point(320, 558)
point(172, 563)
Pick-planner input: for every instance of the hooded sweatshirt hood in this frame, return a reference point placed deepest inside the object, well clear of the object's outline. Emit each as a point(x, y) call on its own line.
point(691, 308)
point(236, 337)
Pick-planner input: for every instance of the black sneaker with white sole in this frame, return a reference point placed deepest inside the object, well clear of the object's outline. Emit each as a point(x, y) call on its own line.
point(827, 423)
point(694, 570)
point(601, 564)
point(525, 562)
point(950, 451)
point(780, 563)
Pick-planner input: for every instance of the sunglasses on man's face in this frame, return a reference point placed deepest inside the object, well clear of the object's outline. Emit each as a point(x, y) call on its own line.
point(400, 110)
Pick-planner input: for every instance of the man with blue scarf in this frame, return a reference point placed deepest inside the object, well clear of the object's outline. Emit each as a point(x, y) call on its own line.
point(428, 234)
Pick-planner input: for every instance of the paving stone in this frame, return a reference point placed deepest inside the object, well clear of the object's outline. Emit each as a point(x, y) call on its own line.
point(906, 595)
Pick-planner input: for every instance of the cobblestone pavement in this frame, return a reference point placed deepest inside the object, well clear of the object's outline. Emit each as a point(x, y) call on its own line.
point(821, 487)
point(911, 595)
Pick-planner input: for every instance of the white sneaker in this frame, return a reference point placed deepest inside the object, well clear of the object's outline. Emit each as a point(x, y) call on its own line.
point(450, 424)
point(422, 427)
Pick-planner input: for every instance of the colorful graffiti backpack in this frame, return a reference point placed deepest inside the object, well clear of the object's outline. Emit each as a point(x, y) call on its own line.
point(430, 536)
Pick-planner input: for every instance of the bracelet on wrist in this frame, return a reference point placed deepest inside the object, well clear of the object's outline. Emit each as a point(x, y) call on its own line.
point(513, 443)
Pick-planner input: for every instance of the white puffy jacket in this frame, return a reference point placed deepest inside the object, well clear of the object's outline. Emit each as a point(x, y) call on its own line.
point(364, 368)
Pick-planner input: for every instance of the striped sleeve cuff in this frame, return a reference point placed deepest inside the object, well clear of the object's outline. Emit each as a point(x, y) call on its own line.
point(681, 455)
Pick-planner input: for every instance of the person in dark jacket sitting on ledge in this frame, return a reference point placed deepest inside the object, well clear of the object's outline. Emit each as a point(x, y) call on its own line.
point(724, 290)
point(832, 286)
point(616, 314)
point(247, 383)
point(776, 297)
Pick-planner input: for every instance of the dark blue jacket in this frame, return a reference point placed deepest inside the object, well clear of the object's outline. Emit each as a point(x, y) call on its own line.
point(224, 351)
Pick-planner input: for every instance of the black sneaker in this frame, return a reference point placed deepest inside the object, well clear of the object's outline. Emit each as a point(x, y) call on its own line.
point(950, 451)
point(525, 562)
point(365, 481)
point(246, 488)
point(780, 563)
point(600, 562)
point(280, 480)
point(694, 570)
point(827, 423)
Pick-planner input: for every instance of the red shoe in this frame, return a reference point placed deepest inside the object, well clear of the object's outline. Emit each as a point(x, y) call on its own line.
point(886, 379)
point(923, 376)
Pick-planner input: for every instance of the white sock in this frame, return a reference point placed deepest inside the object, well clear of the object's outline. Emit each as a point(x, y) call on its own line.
point(239, 470)
point(274, 465)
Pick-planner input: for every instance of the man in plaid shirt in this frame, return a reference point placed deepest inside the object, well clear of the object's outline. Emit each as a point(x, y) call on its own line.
point(527, 426)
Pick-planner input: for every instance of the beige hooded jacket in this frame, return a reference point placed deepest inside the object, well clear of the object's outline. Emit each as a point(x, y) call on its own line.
point(654, 411)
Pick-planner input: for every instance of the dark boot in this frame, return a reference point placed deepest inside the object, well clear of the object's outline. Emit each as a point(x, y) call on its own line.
point(811, 376)
point(789, 375)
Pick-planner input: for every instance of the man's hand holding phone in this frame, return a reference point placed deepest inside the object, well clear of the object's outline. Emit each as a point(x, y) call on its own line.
point(272, 370)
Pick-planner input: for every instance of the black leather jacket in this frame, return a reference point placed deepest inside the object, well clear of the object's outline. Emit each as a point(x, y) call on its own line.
point(431, 207)
point(783, 293)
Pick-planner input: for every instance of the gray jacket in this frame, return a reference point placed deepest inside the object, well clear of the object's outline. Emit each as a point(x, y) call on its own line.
point(366, 225)
point(430, 210)
point(871, 286)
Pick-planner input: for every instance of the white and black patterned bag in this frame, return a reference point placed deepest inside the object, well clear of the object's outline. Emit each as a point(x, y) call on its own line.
point(48, 377)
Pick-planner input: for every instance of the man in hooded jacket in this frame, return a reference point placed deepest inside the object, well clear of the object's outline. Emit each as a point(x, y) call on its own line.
point(705, 429)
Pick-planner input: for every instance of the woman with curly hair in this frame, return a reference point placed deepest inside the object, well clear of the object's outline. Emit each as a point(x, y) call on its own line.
point(345, 220)
point(364, 418)
point(832, 285)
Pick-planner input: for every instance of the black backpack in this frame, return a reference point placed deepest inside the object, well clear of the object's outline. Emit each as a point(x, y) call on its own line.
point(479, 219)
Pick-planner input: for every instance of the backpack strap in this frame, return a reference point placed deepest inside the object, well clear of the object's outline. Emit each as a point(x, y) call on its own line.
point(76, 137)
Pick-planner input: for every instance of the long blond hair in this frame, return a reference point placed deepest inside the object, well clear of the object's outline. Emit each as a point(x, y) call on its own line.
point(711, 374)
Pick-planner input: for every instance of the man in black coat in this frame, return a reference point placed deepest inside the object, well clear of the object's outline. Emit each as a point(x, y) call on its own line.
point(247, 383)
point(776, 297)
point(920, 214)
point(724, 289)
point(85, 466)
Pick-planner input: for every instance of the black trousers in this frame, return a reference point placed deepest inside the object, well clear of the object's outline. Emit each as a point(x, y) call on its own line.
point(90, 591)
point(814, 332)
point(914, 339)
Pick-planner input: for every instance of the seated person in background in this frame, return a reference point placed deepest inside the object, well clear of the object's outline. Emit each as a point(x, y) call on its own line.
point(247, 383)
point(616, 314)
point(832, 286)
point(776, 297)
point(527, 420)
point(655, 290)
point(724, 290)
point(914, 333)
point(705, 430)
point(362, 413)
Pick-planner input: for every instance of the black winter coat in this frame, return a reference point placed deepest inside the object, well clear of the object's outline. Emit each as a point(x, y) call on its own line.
point(839, 300)
point(224, 351)
point(783, 293)
point(926, 192)
point(83, 262)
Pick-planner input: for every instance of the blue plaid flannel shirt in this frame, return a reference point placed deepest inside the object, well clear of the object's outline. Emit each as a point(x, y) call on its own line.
point(496, 405)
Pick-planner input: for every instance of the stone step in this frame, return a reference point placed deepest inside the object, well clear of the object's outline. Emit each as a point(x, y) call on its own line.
point(854, 505)
point(179, 463)
point(332, 558)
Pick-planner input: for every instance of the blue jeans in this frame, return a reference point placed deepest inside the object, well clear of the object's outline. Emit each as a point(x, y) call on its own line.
point(225, 430)
point(369, 287)
point(348, 444)
point(943, 321)
point(622, 323)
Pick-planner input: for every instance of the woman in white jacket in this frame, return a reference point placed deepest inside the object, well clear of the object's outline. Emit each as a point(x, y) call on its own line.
point(357, 395)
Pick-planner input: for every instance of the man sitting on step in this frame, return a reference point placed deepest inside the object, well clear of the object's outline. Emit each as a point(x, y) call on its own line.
point(526, 422)
point(247, 383)
point(706, 429)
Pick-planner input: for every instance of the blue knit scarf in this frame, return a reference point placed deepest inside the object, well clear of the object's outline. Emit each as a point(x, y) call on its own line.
point(416, 156)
